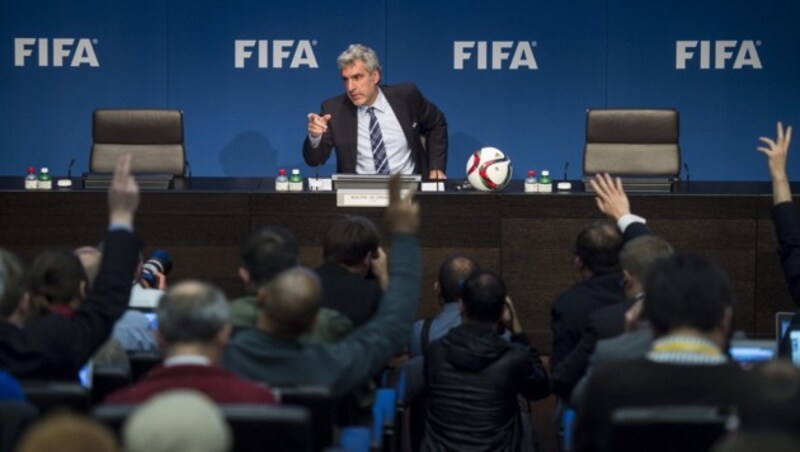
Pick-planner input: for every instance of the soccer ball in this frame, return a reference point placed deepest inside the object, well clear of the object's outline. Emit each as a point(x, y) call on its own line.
point(488, 169)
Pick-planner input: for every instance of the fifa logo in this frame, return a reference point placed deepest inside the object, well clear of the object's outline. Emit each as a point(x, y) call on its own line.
point(743, 53)
point(274, 54)
point(495, 55)
point(57, 52)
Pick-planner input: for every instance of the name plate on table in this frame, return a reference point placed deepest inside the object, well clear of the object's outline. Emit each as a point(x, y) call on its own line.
point(365, 197)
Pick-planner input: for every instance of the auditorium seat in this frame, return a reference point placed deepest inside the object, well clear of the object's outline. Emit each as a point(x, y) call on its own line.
point(318, 400)
point(153, 136)
point(15, 417)
point(50, 395)
point(670, 428)
point(255, 428)
point(142, 362)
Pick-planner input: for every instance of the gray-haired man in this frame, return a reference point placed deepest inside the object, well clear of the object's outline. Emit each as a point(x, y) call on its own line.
point(377, 129)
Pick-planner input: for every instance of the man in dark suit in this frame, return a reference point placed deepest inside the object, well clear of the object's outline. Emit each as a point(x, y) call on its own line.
point(377, 129)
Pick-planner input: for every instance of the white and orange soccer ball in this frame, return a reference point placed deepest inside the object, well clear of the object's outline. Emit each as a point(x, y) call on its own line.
point(488, 169)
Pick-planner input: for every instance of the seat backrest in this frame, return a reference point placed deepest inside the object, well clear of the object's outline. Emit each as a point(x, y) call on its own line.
point(15, 418)
point(154, 138)
point(320, 403)
point(49, 395)
point(670, 428)
point(635, 142)
point(142, 362)
point(282, 428)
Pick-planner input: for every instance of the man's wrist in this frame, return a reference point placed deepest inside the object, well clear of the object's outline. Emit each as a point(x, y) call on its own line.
point(628, 219)
point(314, 141)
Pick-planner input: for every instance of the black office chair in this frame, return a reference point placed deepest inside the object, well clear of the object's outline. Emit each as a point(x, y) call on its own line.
point(255, 428)
point(15, 418)
point(670, 428)
point(153, 136)
point(50, 395)
point(321, 405)
point(640, 145)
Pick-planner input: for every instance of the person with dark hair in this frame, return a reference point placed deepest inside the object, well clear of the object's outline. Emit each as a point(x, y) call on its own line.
point(57, 282)
point(352, 253)
point(193, 328)
point(596, 260)
point(690, 308)
point(448, 287)
point(56, 346)
point(272, 353)
point(377, 129)
point(473, 376)
point(265, 252)
point(636, 258)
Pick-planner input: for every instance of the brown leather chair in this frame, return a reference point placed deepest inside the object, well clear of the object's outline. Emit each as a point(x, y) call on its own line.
point(154, 138)
point(640, 145)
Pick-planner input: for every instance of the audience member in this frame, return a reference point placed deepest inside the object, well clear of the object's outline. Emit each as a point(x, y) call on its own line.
point(690, 308)
point(67, 432)
point(55, 346)
point(596, 259)
point(636, 258)
point(10, 388)
point(785, 219)
point(177, 421)
point(448, 287)
point(762, 441)
point(351, 250)
point(133, 331)
point(272, 353)
point(264, 254)
point(193, 328)
point(473, 376)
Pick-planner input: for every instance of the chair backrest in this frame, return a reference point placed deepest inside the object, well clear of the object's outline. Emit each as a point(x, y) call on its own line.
point(142, 362)
point(320, 403)
point(49, 395)
point(154, 137)
point(255, 428)
point(107, 379)
point(15, 418)
point(670, 428)
point(633, 142)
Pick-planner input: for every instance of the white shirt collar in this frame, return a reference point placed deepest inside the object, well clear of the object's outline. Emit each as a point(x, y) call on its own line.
point(180, 360)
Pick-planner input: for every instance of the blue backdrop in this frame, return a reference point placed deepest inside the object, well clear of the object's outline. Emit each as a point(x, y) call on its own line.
point(517, 75)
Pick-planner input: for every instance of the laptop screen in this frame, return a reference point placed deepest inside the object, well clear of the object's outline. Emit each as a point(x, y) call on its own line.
point(747, 352)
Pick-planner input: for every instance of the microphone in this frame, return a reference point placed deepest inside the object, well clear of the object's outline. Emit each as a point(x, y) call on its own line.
point(686, 167)
point(566, 167)
point(188, 167)
point(69, 168)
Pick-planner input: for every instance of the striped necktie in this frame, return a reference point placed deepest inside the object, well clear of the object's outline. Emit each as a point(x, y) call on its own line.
point(378, 147)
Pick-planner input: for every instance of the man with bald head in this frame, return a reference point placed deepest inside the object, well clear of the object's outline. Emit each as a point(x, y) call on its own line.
point(193, 328)
point(272, 353)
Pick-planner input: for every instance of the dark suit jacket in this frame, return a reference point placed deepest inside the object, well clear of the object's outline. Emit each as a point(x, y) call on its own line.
point(55, 346)
point(217, 383)
point(417, 116)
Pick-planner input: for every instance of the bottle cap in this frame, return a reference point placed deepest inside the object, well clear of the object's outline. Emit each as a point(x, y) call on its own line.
point(531, 173)
point(295, 171)
point(31, 170)
point(545, 173)
point(281, 172)
point(45, 170)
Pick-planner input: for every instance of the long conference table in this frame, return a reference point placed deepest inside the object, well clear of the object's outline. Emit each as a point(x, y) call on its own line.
point(526, 238)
